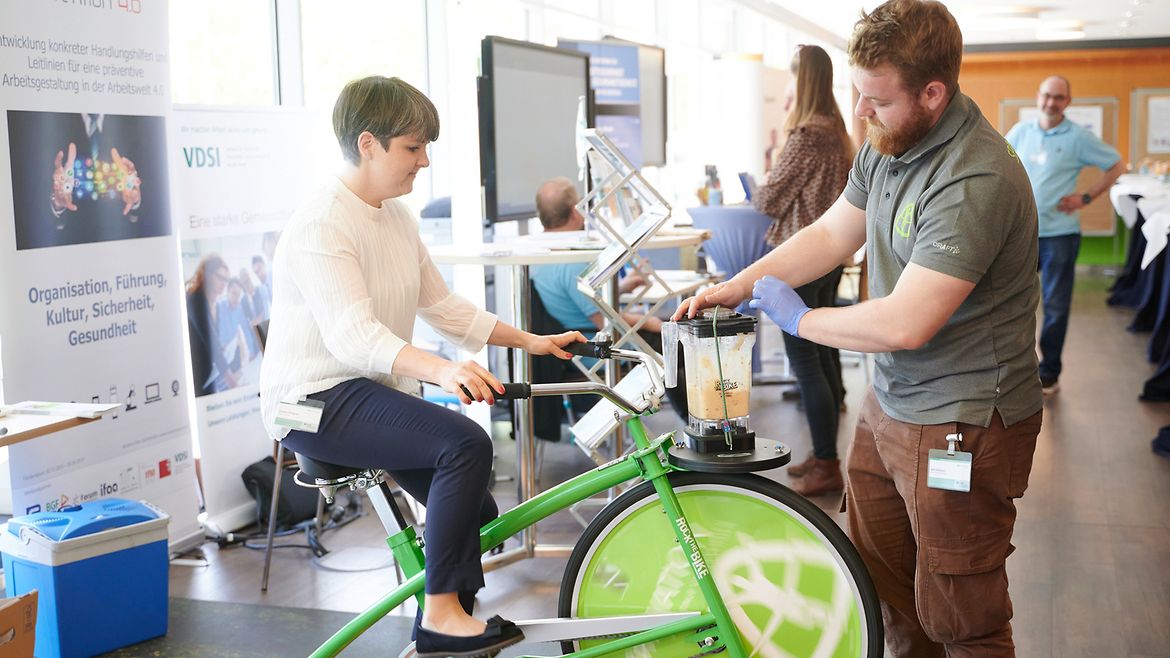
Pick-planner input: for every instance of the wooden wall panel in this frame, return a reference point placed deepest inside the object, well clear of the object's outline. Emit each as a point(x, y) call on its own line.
point(989, 78)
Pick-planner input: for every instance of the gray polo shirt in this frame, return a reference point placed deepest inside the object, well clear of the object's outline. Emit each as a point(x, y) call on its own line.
point(959, 202)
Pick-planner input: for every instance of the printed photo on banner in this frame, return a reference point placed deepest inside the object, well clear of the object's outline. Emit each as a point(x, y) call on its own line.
point(79, 178)
point(229, 294)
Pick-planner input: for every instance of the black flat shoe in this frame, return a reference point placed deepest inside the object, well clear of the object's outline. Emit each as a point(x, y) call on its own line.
point(498, 634)
point(497, 620)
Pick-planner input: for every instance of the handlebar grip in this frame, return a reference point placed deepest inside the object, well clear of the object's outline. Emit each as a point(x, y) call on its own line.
point(591, 349)
point(515, 391)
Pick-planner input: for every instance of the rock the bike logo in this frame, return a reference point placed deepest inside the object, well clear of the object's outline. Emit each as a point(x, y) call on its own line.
point(695, 557)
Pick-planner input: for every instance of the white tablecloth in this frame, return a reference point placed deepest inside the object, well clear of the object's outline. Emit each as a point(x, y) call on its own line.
point(1134, 184)
point(1154, 204)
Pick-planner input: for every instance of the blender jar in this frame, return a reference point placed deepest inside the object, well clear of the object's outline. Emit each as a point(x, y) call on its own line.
point(717, 346)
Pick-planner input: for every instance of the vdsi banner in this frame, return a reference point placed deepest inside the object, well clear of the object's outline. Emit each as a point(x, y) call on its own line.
point(239, 175)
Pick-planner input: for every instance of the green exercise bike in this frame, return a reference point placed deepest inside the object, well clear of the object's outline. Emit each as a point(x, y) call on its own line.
point(700, 556)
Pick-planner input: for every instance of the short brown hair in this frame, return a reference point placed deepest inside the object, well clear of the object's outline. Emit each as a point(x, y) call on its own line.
point(555, 201)
point(919, 38)
point(386, 108)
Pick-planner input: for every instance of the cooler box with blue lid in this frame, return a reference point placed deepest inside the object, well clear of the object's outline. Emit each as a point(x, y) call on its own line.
point(101, 570)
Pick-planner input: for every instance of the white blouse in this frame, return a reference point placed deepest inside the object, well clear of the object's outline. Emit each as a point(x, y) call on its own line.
point(347, 282)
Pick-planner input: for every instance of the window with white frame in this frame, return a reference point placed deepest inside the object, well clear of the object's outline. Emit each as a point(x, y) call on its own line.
point(351, 39)
point(222, 52)
point(636, 20)
point(343, 41)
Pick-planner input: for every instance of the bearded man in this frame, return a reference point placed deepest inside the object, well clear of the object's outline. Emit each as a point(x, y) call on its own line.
point(944, 441)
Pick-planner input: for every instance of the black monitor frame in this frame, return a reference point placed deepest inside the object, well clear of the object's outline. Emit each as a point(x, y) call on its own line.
point(488, 170)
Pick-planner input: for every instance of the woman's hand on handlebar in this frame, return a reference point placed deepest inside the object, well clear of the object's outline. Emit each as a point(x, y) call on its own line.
point(553, 344)
point(728, 294)
point(470, 381)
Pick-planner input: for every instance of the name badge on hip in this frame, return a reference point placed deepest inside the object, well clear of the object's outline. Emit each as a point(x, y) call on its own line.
point(304, 415)
point(949, 469)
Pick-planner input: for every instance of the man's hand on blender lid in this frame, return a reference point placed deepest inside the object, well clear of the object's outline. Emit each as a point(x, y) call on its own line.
point(728, 294)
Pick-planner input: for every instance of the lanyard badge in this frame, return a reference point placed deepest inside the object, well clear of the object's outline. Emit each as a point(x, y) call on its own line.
point(949, 469)
point(303, 415)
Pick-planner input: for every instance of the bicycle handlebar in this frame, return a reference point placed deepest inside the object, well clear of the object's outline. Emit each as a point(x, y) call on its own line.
point(597, 350)
point(515, 391)
point(601, 350)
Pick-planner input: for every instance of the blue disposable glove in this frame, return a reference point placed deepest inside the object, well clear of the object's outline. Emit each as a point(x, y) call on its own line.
point(780, 302)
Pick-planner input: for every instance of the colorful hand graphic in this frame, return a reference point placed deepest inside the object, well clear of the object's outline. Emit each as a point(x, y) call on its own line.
point(62, 198)
point(127, 175)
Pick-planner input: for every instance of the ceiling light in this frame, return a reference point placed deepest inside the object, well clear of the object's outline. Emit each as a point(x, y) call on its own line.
point(1005, 10)
point(1059, 34)
point(1061, 31)
point(1001, 22)
point(1000, 18)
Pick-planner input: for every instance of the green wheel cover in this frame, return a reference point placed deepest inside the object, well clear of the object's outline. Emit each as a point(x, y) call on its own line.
point(784, 585)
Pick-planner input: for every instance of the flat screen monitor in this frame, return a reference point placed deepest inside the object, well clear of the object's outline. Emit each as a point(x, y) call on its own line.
point(528, 100)
point(629, 84)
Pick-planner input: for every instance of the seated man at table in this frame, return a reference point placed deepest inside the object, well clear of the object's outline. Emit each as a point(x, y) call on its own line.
point(556, 205)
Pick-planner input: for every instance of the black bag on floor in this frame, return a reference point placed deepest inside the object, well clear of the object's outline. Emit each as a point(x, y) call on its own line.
point(296, 503)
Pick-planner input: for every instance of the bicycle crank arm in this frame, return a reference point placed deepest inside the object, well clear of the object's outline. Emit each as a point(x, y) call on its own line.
point(558, 630)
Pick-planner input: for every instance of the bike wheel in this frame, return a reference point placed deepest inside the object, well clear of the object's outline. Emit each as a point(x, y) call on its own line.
point(789, 576)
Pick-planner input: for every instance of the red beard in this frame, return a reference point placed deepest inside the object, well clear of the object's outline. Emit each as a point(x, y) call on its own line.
point(896, 142)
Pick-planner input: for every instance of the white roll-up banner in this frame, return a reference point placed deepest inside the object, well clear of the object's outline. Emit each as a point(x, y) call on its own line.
point(90, 301)
point(239, 175)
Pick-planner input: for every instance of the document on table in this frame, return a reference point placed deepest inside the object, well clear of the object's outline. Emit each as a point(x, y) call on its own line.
point(68, 409)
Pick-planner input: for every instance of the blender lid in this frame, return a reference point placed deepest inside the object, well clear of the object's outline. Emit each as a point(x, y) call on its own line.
point(729, 323)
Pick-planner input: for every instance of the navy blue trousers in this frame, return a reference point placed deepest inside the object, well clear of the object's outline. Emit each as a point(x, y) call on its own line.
point(437, 455)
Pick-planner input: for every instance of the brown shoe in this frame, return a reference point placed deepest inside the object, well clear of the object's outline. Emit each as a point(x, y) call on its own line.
point(802, 469)
point(825, 477)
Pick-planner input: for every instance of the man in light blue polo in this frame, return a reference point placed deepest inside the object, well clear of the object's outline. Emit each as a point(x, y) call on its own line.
point(1054, 150)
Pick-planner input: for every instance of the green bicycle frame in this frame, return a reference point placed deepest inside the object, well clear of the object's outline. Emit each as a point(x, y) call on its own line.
point(646, 463)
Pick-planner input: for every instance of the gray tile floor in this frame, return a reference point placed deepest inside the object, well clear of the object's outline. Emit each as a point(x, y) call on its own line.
point(1090, 577)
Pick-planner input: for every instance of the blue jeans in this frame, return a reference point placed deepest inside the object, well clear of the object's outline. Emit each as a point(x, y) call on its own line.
point(818, 371)
point(1058, 259)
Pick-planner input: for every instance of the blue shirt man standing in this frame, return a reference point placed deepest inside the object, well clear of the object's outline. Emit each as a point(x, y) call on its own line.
point(1054, 150)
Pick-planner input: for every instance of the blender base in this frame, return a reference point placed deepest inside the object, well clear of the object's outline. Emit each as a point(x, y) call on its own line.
point(766, 455)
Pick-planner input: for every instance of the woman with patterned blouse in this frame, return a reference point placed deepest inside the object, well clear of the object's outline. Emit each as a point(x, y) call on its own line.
point(807, 177)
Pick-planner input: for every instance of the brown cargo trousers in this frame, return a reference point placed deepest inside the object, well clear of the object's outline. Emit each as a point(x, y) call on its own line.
point(938, 557)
